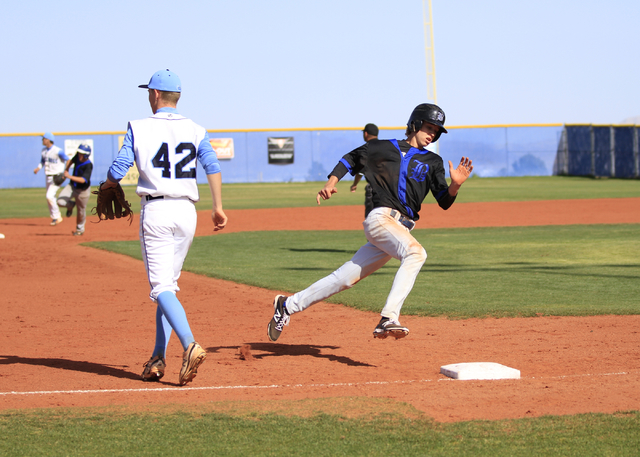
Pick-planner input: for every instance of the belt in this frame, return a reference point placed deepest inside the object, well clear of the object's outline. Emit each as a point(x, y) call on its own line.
point(166, 197)
point(409, 223)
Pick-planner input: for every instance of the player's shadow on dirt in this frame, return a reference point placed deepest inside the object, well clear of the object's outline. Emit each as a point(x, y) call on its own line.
point(73, 365)
point(264, 350)
point(22, 224)
point(66, 235)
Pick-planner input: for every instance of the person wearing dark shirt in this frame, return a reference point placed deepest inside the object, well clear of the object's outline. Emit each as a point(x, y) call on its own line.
point(401, 174)
point(370, 132)
point(79, 187)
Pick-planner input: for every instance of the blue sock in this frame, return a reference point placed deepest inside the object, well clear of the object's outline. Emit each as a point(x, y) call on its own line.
point(177, 318)
point(163, 333)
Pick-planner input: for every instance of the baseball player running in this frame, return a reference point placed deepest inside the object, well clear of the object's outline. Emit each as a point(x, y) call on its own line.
point(78, 191)
point(401, 174)
point(53, 159)
point(165, 147)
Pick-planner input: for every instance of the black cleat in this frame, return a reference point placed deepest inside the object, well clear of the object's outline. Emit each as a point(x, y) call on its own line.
point(280, 318)
point(388, 327)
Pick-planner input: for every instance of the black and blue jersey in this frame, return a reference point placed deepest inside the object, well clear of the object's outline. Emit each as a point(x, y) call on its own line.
point(82, 170)
point(400, 175)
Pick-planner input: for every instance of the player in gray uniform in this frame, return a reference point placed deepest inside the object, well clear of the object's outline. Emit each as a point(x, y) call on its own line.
point(165, 148)
point(77, 193)
point(53, 159)
point(401, 174)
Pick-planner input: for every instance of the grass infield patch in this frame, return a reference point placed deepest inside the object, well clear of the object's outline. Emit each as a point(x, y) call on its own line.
point(235, 429)
point(474, 272)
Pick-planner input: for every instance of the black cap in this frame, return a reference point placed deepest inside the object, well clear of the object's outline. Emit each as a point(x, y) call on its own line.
point(371, 129)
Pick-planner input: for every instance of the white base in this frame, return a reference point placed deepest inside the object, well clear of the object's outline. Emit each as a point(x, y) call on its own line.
point(479, 370)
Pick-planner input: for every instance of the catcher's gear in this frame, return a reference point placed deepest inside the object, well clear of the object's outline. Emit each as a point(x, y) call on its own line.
point(111, 203)
point(429, 113)
point(58, 179)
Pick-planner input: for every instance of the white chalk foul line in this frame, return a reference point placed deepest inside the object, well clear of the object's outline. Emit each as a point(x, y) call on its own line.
point(585, 375)
point(185, 389)
point(281, 386)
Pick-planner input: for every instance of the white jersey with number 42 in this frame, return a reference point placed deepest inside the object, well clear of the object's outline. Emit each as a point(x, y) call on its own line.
point(165, 147)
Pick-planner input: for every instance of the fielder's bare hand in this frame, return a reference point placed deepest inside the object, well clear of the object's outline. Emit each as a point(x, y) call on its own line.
point(219, 220)
point(108, 184)
point(328, 189)
point(356, 180)
point(460, 174)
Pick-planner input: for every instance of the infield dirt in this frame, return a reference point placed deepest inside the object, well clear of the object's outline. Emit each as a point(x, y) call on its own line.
point(78, 325)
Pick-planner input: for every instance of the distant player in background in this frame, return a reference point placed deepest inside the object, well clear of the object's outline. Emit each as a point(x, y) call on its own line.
point(78, 191)
point(53, 159)
point(401, 174)
point(165, 148)
point(369, 133)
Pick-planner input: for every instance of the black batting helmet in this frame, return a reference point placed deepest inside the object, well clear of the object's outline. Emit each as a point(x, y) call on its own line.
point(426, 112)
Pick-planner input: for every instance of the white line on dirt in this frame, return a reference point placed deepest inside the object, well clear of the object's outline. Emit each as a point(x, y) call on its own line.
point(183, 389)
point(279, 386)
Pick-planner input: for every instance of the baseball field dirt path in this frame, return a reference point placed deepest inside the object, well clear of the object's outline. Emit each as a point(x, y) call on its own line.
point(77, 325)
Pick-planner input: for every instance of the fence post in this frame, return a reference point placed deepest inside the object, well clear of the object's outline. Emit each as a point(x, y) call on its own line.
point(612, 147)
point(506, 148)
point(563, 166)
point(636, 171)
point(592, 136)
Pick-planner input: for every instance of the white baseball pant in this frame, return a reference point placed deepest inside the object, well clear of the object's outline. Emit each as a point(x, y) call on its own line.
point(54, 211)
point(387, 238)
point(167, 227)
point(70, 197)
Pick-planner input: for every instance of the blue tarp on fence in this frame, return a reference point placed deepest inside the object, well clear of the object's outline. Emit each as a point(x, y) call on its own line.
point(597, 150)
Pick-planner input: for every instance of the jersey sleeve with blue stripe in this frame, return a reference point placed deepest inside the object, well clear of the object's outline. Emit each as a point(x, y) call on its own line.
point(208, 157)
point(124, 160)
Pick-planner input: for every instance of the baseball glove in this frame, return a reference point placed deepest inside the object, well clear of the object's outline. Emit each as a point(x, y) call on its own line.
point(111, 203)
point(58, 179)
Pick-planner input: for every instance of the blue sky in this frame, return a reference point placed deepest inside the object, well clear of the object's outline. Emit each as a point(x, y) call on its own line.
point(74, 66)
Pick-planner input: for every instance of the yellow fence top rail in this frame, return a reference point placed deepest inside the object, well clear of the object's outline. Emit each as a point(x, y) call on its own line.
point(320, 129)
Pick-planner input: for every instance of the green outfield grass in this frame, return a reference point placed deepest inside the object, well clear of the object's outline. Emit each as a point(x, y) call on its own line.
point(506, 271)
point(18, 203)
point(94, 432)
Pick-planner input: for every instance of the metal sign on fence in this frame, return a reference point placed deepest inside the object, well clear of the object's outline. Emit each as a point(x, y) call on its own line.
point(280, 150)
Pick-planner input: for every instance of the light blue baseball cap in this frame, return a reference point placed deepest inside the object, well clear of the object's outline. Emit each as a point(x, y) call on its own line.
point(49, 136)
point(163, 80)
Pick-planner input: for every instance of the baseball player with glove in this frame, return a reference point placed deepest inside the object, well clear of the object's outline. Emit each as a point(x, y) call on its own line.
point(401, 174)
point(53, 159)
point(165, 147)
